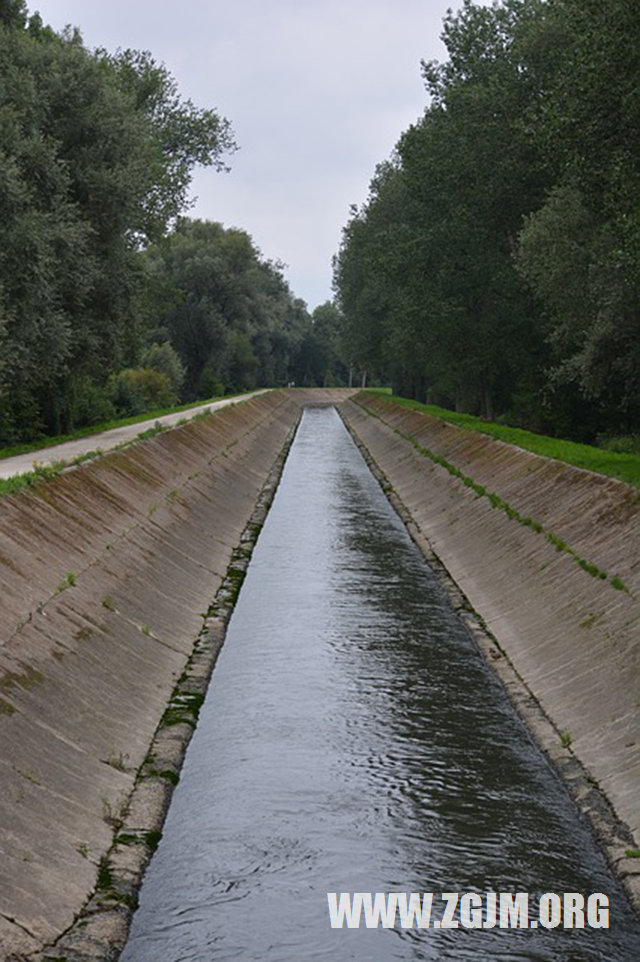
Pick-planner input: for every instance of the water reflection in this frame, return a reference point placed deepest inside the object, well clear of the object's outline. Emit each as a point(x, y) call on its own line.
point(353, 740)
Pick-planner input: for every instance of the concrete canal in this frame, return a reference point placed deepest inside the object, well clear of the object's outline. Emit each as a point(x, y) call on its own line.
point(354, 740)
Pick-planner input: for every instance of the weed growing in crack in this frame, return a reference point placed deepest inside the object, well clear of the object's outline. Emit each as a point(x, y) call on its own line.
point(69, 581)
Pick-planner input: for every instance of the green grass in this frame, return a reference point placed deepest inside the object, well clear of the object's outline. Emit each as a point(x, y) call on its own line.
point(105, 879)
point(500, 504)
point(623, 467)
point(69, 581)
point(41, 443)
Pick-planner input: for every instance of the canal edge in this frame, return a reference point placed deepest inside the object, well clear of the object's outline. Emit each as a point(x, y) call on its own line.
point(612, 834)
point(100, 931)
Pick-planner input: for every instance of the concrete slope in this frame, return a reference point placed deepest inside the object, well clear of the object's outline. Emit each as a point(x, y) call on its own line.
point(536, 561)
point(104, 574)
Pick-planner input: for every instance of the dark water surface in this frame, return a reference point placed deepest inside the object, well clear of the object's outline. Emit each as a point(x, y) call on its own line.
point(353, 740)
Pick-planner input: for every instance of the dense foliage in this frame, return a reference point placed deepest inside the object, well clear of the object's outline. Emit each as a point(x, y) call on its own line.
point(109, 302)
point(227, 312)
point(495, 267)
point(95, 159)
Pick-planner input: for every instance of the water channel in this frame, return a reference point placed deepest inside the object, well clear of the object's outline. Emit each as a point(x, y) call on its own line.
point(353, 740)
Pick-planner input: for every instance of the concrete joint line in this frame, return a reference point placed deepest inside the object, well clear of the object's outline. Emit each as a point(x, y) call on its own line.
point(19, 925)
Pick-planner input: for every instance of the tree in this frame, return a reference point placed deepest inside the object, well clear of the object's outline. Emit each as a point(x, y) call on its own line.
point(13, 13)
point(495, 266)
point(231, 316)
point(164, 358)
point(580, 251)
point(179, 136)
point(95, 158)
point(425, 274)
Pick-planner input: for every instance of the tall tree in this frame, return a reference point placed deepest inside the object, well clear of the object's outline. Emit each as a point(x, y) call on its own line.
point(231, 316)
point(580, 251)
point(95, 158)
point(425, 274)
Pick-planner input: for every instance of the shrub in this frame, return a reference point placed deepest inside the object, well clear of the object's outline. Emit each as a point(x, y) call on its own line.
point(164, 358)
point(136, 390)
point(210, 384)
point(91, 404)
point(623, 444)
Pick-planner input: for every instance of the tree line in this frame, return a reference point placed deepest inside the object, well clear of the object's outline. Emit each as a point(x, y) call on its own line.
point(495, 265)
point(111, 301)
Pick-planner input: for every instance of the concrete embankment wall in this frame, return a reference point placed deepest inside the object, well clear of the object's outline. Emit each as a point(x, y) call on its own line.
point(104, 575)
point(572, 634)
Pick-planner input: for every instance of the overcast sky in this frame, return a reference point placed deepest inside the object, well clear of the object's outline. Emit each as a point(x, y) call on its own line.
point(317, 92)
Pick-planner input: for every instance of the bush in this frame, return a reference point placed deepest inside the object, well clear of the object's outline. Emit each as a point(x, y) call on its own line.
point(210, 384)
point(136, 390)
point(20, 417)
point(165, 359)
point(622, 444)
point(91, 404)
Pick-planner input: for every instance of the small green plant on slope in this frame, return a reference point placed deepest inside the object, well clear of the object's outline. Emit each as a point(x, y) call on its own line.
point(68, 581)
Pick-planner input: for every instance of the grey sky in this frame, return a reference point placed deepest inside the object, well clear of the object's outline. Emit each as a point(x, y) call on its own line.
point(317, 92)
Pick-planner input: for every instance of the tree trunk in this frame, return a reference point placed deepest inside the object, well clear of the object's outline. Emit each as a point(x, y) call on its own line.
point(486, 402)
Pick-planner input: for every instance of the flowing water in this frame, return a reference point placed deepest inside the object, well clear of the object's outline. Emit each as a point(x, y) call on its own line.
point(353, 740)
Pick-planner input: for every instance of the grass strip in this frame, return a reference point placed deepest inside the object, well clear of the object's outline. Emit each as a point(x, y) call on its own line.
point(41, 443)
point(511, 512)
point(622, 467)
